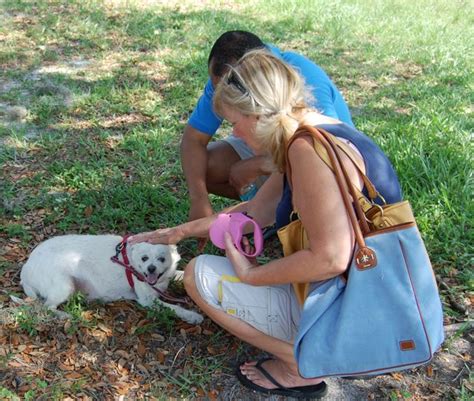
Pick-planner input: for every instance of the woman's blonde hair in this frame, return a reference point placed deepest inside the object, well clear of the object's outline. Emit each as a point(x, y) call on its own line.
point(262, 85)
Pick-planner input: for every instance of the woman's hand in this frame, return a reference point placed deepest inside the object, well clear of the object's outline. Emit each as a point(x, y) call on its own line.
point(241, 263)
point(166, 236)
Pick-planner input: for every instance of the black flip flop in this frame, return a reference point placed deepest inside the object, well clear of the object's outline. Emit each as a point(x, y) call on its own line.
point(314, 391)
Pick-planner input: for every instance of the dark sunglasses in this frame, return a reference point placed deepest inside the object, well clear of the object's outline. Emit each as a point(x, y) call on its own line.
point(233, 80)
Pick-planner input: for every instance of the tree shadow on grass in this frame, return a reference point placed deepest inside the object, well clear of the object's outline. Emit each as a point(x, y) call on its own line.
point(386, 104)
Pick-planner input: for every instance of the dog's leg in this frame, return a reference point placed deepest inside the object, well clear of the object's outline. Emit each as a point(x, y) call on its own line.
point(63, 289)
point(184, 314)
point(29, 291)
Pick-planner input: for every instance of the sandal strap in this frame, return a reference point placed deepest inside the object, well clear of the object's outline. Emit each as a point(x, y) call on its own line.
point(267, 375)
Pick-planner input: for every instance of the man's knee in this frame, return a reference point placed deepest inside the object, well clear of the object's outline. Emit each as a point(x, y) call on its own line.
point(220, 158)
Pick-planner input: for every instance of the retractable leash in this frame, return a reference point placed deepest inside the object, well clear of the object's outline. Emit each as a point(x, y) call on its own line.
point(121, 249)
point(235, 224)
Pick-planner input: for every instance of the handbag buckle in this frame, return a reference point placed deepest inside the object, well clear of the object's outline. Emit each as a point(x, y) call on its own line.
point(365, 259)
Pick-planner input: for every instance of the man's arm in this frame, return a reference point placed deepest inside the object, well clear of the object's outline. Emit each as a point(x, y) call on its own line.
point(194, 164)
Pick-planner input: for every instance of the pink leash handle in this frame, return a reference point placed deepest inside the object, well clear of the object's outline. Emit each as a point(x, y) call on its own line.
point(234, 223)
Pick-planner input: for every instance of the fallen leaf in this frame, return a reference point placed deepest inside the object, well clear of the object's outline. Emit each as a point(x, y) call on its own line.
point(73, 375)
point(122, 353)
point(211, 350)
point(15, 340)
point(122, 389)
point(141, 349)
point(213, 395)
point(160, 356)
point(142, 368)
point(189, 350)
point(24, 388)
point(63, 366)
point(157, 337)
point(397, 376)
point(105, 329)
point(88, 211)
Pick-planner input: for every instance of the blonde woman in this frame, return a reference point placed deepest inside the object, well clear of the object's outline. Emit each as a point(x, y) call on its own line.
point(265, 101)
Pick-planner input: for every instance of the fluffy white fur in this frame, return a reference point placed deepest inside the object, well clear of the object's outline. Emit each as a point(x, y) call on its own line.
point(60, 266)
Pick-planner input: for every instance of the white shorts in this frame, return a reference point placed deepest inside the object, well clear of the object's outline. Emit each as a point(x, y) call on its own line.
point(273, 310)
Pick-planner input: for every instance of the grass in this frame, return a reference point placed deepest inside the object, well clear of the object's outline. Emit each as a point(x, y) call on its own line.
point(109, 85)
point(27, 322)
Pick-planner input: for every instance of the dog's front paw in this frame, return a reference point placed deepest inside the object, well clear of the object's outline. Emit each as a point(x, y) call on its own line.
point(191, 317)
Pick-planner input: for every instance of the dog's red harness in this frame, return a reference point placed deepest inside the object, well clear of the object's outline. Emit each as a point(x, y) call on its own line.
point(121, 249)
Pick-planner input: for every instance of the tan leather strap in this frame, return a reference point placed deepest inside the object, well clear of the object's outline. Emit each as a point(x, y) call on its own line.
point(365, 203)
point(319, 148)
point(357, 217)
point(350, 153)
point(349, 185)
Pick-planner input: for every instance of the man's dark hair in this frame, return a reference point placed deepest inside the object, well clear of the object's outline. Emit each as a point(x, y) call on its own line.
point(229, 48)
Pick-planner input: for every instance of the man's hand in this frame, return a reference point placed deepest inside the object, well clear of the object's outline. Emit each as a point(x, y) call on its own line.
point(166, 236)
point(242, 264)
point(200, 208)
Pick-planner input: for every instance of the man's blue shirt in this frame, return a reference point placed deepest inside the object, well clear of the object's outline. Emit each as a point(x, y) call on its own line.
point(327, 98)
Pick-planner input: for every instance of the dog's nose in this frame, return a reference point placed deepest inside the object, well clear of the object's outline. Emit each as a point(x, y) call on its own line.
point(151, 268)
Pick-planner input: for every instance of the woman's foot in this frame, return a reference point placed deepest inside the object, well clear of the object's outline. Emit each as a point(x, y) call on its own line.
point(281, 373)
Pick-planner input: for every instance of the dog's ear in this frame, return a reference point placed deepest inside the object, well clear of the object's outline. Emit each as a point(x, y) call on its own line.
point(130, 250)
point(175, 256)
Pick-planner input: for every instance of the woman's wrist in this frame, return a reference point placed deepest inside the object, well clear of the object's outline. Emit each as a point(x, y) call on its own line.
point(180, 232)
point(251, 275)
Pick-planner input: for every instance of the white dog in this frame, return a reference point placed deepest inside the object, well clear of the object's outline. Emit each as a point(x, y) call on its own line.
point(63, 265)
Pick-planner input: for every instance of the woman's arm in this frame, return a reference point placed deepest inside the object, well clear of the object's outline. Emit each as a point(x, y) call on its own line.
point(262, 208)
point(319, 203)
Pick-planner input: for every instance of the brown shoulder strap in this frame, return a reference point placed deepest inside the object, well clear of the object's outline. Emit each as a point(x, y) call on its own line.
point(349, 152)
point(365, 203)
point(346, 187)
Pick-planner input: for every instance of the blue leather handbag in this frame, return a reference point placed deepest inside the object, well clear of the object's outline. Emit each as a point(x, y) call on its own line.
point(385, 314)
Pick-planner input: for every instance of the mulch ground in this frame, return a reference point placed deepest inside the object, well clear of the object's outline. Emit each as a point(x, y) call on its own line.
point(121, 351)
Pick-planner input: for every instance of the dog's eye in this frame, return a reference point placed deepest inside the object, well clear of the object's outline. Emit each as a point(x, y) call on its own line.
point(144, 258)
point(161, 259)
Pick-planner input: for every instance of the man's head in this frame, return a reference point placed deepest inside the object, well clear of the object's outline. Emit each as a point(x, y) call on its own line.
point(228, 49)
point(264, 99)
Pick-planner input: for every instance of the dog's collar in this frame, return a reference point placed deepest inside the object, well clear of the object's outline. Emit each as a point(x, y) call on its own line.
point(121, 249)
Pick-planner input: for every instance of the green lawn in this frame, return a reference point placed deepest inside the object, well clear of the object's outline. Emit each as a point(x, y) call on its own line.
point(94, 96)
